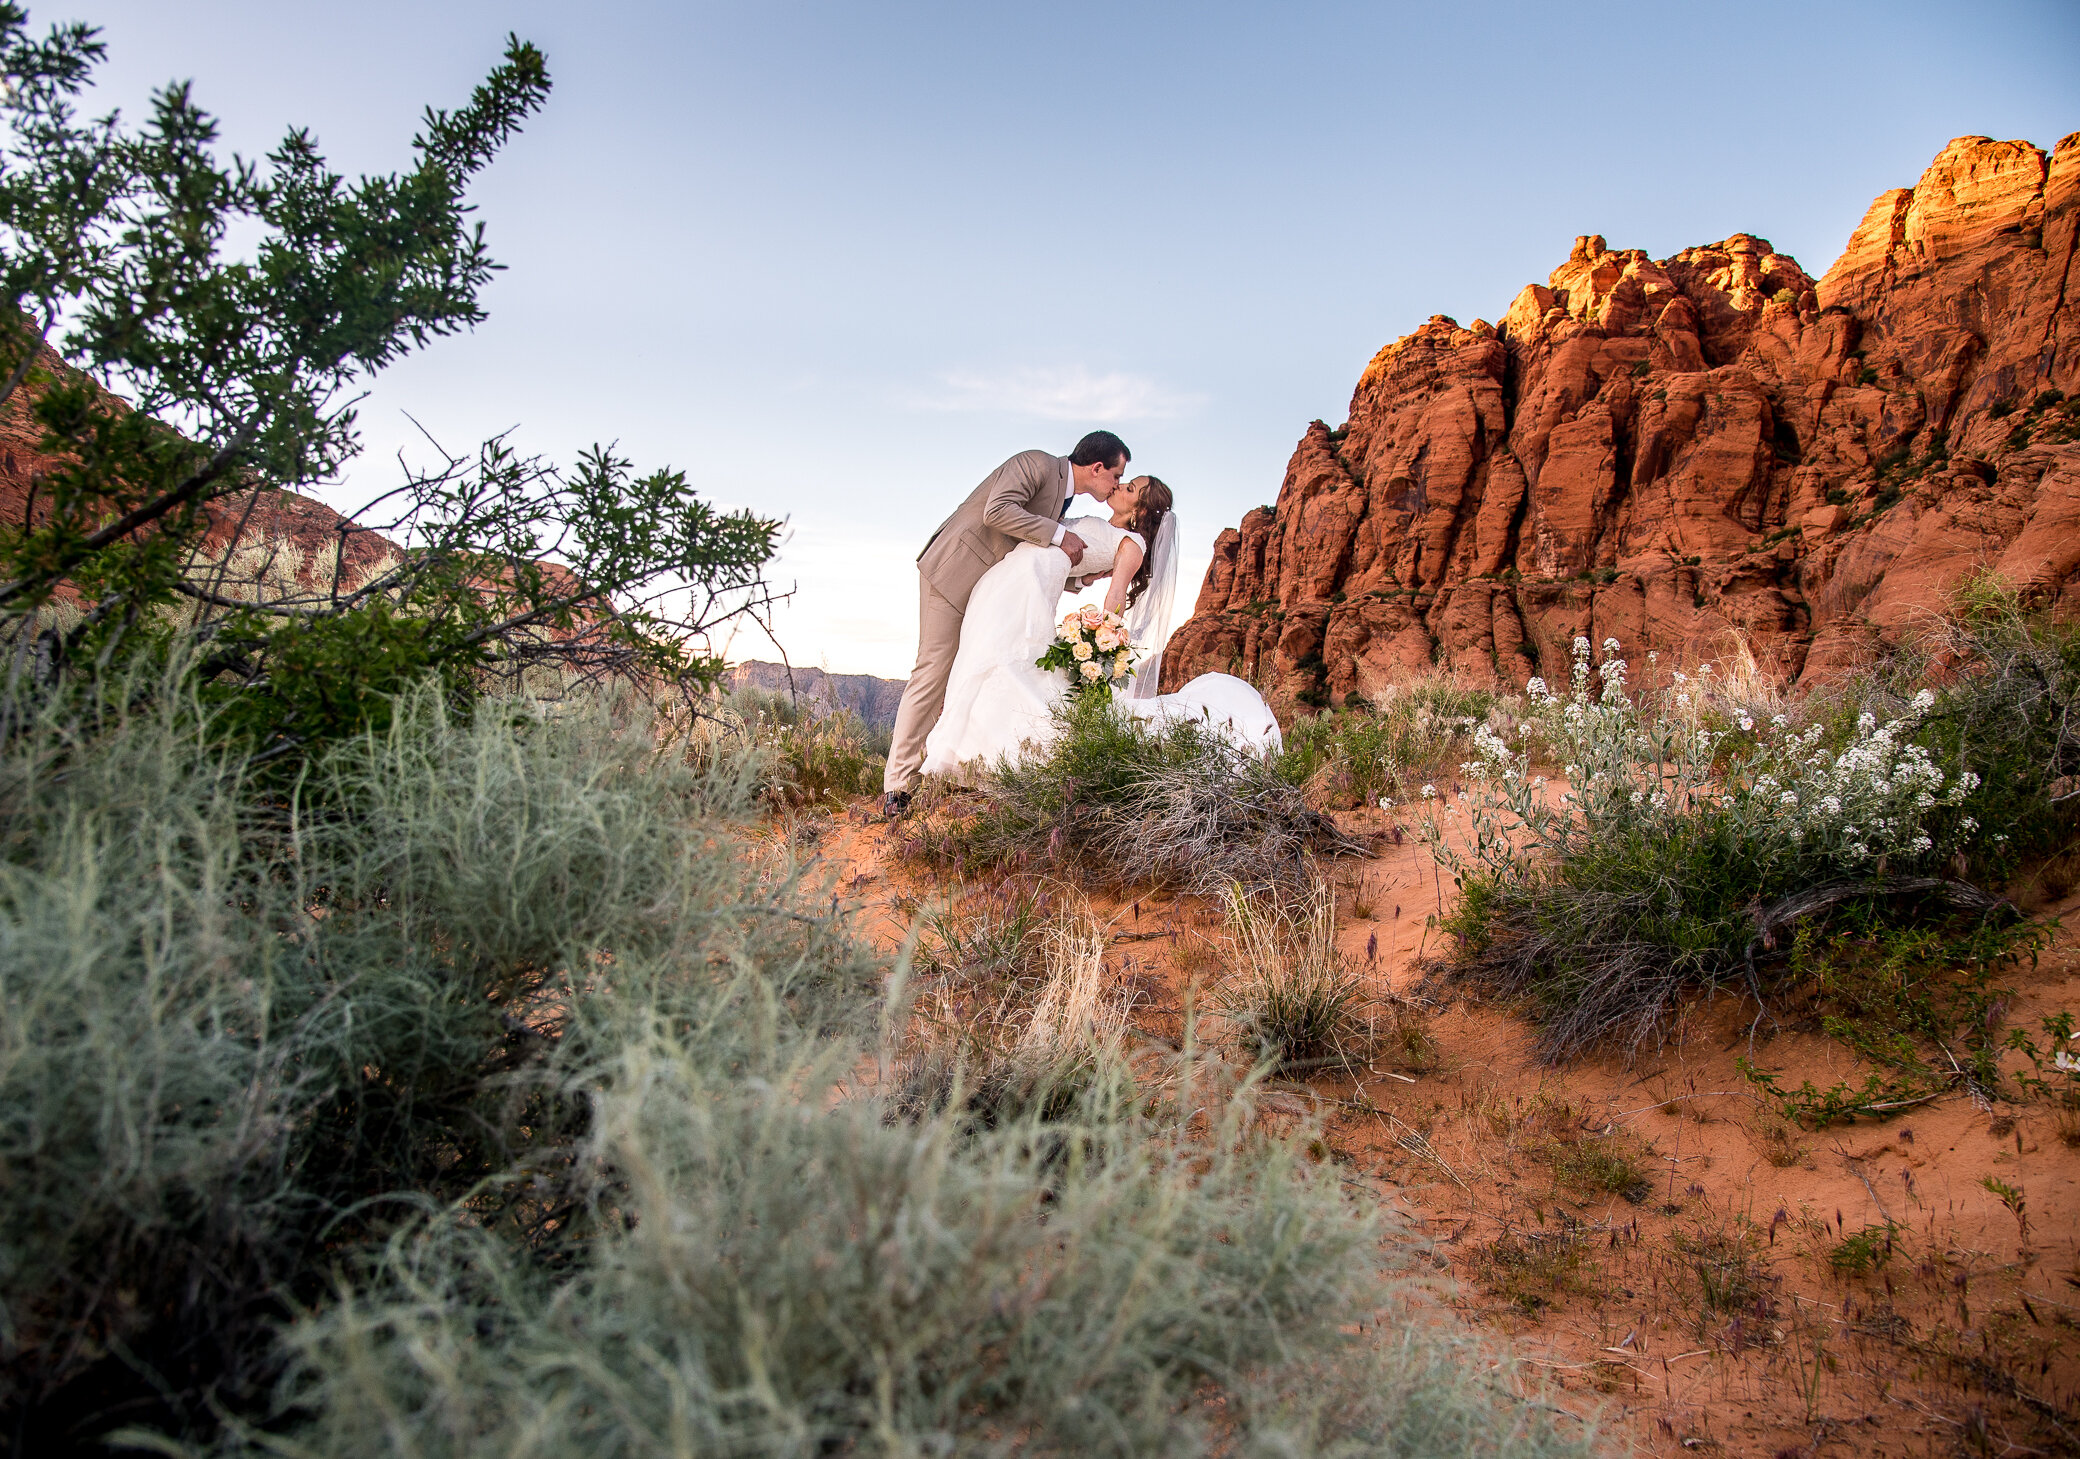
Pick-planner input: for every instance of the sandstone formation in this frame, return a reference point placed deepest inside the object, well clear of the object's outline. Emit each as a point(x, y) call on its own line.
point(1672, 452)
point(267, 544)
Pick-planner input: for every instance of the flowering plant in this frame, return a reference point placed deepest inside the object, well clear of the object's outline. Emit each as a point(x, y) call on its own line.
point(1090, 646)
point(1777, 799)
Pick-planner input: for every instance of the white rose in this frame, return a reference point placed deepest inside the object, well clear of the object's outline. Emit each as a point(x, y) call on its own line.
point(1092, 671)
point(1081, 650)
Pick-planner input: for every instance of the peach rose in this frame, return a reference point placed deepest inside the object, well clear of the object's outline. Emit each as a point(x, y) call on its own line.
point(1091, 615)
point(1093, 672)
point(1107, 640)
point(1082, 650)
point(1119, 666)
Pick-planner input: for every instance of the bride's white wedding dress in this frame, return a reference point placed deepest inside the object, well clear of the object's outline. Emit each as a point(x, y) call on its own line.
point(998, 700)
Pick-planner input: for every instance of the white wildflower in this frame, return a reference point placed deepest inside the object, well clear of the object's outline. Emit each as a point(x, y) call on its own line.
point(1429, 792)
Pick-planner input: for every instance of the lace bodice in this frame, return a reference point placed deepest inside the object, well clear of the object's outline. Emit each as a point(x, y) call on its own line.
point(1101, 542)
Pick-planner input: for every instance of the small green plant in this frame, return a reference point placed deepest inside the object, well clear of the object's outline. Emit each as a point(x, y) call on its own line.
point(1641, 369)
point(1530, 1268)
point(1783, 296)
point(1868, 375)
point(1597, 1166)
point(1816, 1108)
point(986, 939)
point(2011, 1197)
point(1866, 1251)
point(1724, 1265)
point(1383, 750)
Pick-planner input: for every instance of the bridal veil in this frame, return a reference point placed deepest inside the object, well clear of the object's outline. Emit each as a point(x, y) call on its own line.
point(1148, 621)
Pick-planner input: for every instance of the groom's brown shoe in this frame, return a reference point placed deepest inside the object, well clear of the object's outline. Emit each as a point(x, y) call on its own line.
point(895, 805)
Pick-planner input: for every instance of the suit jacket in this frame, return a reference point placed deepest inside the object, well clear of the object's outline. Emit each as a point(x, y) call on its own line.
point(1021, 501)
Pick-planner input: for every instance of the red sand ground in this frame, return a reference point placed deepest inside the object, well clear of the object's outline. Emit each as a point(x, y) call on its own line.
point(1961, 1338)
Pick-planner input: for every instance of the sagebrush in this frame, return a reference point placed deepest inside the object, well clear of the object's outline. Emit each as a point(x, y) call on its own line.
point(489, 1096)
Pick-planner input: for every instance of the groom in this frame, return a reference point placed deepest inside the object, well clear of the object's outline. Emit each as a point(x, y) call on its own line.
point(1024, 500)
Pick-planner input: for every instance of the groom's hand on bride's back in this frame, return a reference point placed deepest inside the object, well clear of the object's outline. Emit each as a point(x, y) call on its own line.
point(1073, 545)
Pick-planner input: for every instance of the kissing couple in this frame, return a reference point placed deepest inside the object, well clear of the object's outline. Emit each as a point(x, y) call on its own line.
point(990, 584)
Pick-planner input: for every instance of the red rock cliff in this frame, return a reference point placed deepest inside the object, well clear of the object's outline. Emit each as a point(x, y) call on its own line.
point(1663, 451)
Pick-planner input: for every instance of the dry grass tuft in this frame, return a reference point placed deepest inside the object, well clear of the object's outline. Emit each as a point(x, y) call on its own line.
point(1294, 1001)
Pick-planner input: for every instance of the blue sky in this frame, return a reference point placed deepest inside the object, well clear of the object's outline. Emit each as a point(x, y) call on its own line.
point(838, 260)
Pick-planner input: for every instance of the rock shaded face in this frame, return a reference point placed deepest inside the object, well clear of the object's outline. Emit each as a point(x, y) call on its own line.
point(1670, 452)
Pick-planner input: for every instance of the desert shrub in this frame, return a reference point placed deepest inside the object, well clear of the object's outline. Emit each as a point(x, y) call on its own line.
point(1920, 1003)
point(986, 939)
point(1170, 803)
point(493, 1068)
point(1530, 1267)
point(804, 759)
point(1043, 1034)
point(245, 1035)
point(2010, 707)
point(1384, 751)
point(1678, 853)
point(786, 1285)
point(182, 338)
point(1293, 1000)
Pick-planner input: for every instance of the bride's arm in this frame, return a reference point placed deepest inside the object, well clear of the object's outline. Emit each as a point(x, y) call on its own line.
point(1125, 563)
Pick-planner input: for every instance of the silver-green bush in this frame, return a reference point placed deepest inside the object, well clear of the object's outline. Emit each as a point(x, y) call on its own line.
point(485, 1097)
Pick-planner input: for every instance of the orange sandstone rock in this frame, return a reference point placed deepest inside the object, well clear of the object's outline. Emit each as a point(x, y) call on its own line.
point(1669, 451)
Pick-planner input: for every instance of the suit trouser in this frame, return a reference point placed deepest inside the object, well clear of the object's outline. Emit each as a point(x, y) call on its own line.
point(938, 640)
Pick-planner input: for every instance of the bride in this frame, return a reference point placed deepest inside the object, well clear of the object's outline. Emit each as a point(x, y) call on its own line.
point(999, 700)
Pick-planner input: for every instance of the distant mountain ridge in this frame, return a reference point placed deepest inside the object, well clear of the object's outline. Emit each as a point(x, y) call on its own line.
point(873, 700)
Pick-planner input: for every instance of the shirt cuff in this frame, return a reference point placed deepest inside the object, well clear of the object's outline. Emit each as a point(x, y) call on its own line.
point(1059, 533)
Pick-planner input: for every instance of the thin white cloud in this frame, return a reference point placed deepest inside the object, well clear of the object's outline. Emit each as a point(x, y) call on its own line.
point(1073, 393)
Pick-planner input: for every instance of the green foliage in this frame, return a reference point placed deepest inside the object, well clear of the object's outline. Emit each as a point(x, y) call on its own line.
point(1529, 1268)
point(1384, 751)
point(2011, 706)
point(1865, 1251)
point(1165, 802)
point(1689, 825)
point(245, 1037)
point(1729, 1279)
point(1918, 1001)
point(1599, 1167)
point(172, 387)
point(495, 1068)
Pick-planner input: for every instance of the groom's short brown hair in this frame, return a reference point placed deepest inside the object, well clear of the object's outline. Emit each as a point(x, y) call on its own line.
point(1100, 448)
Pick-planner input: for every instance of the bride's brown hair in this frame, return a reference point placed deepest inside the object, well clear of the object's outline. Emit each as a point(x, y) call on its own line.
point(1148, 515)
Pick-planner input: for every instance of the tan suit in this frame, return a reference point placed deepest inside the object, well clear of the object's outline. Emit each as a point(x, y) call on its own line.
point(1021, 501)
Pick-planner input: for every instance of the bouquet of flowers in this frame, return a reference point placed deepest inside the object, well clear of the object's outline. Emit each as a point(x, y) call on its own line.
point(1090, 646)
